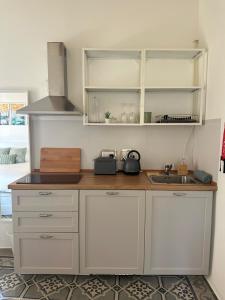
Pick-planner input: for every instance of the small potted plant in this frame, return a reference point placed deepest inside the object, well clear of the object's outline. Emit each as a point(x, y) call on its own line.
point(107, 117)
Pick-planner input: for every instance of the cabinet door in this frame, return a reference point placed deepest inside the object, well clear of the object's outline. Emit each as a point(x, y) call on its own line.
point(112, 232)
point(178, 230)
point(46, 253)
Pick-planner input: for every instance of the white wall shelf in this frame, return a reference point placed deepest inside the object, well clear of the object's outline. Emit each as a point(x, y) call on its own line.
point(112, 89)
point(130, 82)
point(172, 89)
point(174, 53)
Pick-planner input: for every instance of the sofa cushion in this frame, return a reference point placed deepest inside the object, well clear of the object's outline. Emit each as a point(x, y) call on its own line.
point(4, 150)
point(7, 159)
point(20, 154)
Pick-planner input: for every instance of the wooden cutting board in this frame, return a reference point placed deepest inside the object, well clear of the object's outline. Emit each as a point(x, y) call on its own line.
point(56, 160)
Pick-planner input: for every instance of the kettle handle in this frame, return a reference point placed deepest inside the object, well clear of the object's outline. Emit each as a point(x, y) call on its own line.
point(134, 151)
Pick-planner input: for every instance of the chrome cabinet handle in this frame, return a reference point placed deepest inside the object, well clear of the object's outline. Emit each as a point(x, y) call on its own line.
point(46, 236)
point(179, 194)
point(45, 215)
point(112, 193)
point(45, 193)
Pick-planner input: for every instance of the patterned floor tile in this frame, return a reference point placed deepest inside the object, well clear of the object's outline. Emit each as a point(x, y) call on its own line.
point(108, 279)
point(94, 287)
point(139, 290)
point(99, 287)
point(17, 291)
point(183, 291)
point(51, 285)
point(9, 281)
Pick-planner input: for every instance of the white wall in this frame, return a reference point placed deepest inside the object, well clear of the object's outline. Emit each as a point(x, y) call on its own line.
point(27, 25)
point(156, 145)
point(207, 147)
point(14, 136)
point(212, 33)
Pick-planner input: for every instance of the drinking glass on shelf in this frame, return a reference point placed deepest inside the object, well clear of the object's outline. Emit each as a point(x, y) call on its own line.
point(94, 108)
point(124, 116)
point(132, 114)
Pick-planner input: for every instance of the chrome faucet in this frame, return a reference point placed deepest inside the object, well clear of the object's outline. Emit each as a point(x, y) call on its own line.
point(167, 169)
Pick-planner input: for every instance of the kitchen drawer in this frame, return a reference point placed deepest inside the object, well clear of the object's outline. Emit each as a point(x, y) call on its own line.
point(46, 253)
point(45, 200)
point(45, 221)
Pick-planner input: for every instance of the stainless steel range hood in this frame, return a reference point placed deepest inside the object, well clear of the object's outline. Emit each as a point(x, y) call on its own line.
point(56, 103)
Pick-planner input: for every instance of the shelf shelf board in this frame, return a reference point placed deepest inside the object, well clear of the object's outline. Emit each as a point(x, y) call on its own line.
point(111, 89)
point(173, 53)
point(112, 124)
point(113, 53)
point(173, 89)
point(172, 124)
point(144, 124)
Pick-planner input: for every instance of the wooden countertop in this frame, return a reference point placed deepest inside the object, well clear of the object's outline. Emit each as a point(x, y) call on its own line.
point(89, 181)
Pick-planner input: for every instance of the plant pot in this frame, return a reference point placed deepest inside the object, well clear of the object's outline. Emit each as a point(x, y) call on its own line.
point(107, 121)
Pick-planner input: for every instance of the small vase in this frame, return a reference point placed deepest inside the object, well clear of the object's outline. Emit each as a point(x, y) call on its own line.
point(107, 121)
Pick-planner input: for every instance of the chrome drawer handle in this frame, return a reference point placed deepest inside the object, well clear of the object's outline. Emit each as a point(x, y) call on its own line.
point(45, 215)
point(45, 193)
point(112, 193)
point(179, 194)
point(46, 236)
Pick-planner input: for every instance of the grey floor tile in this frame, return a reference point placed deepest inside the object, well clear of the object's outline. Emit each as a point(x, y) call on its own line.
point(169, 296)
point(125, 279)
point(201, 288)
point(33, 292)
point(92, 294)
point(153, 281)
point(62, 294)
point(168, 282)
point(68, 279)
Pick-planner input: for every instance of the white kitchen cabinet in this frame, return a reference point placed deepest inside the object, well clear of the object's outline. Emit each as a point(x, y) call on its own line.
point(112, 231)
point(46, 231)
point(178, 232)
point(46, 253)
point(129, 82)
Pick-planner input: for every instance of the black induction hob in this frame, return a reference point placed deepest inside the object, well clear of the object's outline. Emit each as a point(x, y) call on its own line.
point(50, 179)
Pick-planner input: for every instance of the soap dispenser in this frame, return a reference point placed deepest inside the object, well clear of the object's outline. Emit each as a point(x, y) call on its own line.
point(182, 168)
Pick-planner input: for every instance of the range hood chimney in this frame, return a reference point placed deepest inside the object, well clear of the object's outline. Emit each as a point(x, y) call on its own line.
point(56, 103)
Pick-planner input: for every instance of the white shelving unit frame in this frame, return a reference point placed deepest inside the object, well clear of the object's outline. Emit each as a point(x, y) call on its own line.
point(198, 88)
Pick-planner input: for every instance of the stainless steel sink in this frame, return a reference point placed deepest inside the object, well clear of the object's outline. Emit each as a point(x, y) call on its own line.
point(172, 179)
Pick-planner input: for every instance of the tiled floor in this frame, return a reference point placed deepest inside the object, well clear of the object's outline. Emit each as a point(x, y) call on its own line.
point(62, 287)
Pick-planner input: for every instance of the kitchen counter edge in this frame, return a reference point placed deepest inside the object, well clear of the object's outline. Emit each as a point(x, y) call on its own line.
point(89, 181)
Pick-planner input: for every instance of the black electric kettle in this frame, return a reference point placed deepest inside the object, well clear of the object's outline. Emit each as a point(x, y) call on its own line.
point(132, 163)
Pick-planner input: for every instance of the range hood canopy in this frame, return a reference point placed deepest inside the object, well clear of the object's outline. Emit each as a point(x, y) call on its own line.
point(56, 103)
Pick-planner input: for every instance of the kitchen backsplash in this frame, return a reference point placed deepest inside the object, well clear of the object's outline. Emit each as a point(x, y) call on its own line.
point(156, 145)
